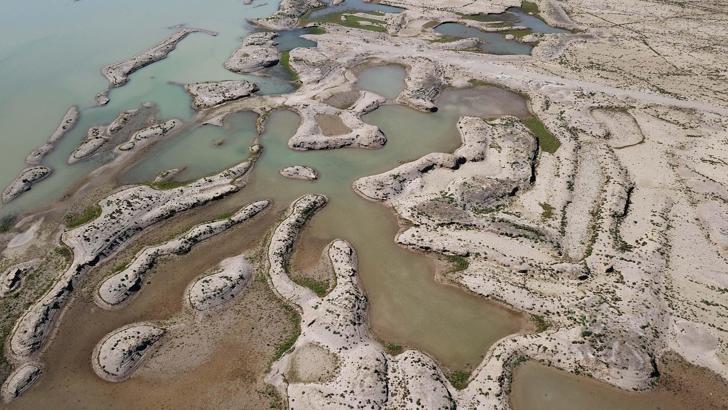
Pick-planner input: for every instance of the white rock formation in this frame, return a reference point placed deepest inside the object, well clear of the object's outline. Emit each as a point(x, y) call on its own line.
point(422, 84)
point(149, 135)
point(25, 181)
point(210, 94)
point(289, 11)
point(123, 215)
point(257, 52)
point(67, 123)
point(336, 324)
point(121, 121)
point(120, 353)
point(118, 288)
point(96, 137)
point(12, 277)
point(20, 380)
point(118, 74)
point(231, 277)
point(300, 172)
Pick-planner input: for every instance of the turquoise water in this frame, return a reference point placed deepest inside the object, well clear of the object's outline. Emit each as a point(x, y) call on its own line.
point(54, 61)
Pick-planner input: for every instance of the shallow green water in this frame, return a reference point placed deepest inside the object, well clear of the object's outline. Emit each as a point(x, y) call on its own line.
point(54, 61)
point(495, 42)
point(491, 42)
point(386, 80)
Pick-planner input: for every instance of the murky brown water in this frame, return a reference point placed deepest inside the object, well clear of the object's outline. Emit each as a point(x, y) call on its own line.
point(538, 387)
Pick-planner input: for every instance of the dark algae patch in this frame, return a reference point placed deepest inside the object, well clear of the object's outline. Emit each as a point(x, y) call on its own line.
point(546, 140)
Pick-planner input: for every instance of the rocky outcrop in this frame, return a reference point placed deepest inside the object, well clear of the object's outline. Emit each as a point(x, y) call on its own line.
point(210, 94)
point(257, 52)
point(20, 380)
point(120, 353)
point(148, 135)
point(310, 135)
point(67, 123)
point(12, 277)
point(98, 136)
point(300, 172)
point(281, 246)
point(366, 375)
point(121, 121)
point(25, 181)
point(118, 74)
point(288, 14)
point(168, 175)
point(231, 277)
point(422, 84)
point(123, 215)
point(121, 286)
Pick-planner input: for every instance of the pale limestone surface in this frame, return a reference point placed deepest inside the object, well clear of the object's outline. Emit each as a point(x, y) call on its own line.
point(67, 123)
point(20, 380)
point(258, 51)
point(118, 74)
point(231, 277)
point(121, 352)
point(364, 376)
point(25, 181)
point(300, 172)
point(128, 282)
point(210, 94)
point(12, 278)
point(123, 215)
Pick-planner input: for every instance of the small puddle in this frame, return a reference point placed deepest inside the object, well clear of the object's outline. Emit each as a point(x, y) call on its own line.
point(491, 42)
point(539, 387)
point(515, 16)
point(331, 124)
point(351, 6)
point(496, 42)
point(385, 80)
point(290, 39)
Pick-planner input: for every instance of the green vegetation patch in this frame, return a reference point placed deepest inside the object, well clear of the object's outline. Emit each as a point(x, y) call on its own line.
point(317, 31)
point(164, 185)
point(459, 379)
point(459, 263)
point(6, 223)
point(393, 348)
point(517, 33)
point(540, 322)
point(546, 140)
point(530, 7)
point(285, 62)
point(444, 39)
point(354, 21)
point(64, 252)
point(319, 287)
point(75, 219)
point(548, 210)
point(288, 342)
